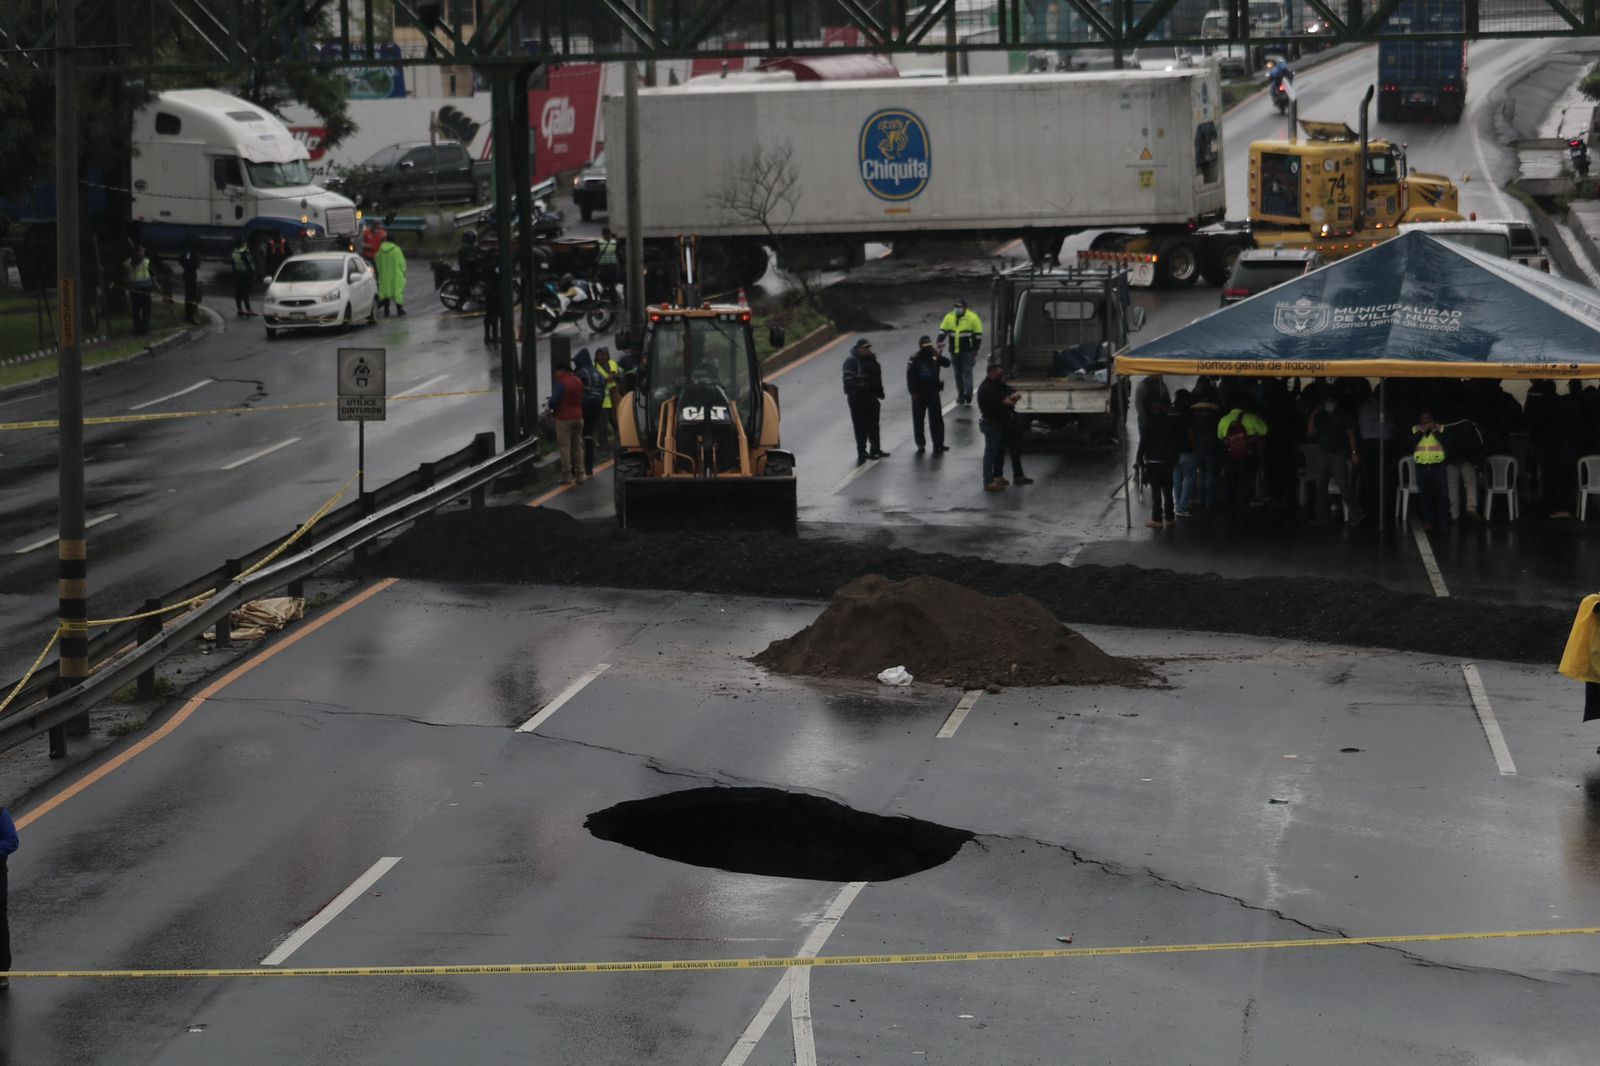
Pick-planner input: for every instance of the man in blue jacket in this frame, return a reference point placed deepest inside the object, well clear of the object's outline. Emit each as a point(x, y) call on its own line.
point(8, 844)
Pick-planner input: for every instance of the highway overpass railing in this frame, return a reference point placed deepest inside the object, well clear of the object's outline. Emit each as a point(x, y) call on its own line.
point(130, 649)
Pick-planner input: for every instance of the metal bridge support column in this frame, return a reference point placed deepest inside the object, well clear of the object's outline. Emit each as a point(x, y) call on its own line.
point(503, 131)
point(634, 238)
point(522, 173)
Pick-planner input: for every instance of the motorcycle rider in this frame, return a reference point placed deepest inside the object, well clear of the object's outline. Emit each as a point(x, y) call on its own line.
point(1278, 81)
point(1579, 153)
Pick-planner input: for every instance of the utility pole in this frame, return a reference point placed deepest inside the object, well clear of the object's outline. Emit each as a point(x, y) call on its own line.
point(505, 201)
point(952, 58)
point(635, 235)
point(72, 558)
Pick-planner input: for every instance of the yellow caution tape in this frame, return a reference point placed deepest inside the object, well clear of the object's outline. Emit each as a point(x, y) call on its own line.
point(165, 416)
point(31, 670)
point(703, 965)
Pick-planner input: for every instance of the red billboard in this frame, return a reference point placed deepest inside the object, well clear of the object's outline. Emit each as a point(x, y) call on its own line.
point(565, 119)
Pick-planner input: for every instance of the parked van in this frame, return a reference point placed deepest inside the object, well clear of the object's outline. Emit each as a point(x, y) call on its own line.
point(211, 167)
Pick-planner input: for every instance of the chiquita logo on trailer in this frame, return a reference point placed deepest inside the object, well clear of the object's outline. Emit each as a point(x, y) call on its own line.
point(895, 155)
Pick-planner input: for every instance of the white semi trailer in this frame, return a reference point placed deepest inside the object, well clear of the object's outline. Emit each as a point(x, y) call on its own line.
point(1036, 156)
point(210, 167)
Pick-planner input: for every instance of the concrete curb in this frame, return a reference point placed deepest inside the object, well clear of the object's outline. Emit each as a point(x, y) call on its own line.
point(801, 348)
point(165, 344)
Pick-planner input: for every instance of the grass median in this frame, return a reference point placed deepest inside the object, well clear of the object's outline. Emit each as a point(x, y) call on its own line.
point(27, 327)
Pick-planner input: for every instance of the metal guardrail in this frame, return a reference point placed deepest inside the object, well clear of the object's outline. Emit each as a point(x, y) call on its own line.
point(403, 500)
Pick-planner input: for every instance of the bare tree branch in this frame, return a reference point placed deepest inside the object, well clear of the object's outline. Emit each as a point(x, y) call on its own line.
point(762, 188)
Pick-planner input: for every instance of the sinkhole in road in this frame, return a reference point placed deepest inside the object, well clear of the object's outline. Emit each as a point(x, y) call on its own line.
point(776, 833)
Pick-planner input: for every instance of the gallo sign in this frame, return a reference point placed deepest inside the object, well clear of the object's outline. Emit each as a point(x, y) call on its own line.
point(565, 120)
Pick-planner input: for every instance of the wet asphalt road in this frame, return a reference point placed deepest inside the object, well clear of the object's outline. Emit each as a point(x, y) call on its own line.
point(1120, 817)
point(1222, 808)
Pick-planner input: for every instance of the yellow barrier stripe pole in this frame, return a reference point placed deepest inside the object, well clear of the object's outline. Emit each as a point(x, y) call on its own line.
point(703, 965)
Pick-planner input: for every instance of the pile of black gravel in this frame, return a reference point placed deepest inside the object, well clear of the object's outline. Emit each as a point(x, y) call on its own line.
point(534, 545)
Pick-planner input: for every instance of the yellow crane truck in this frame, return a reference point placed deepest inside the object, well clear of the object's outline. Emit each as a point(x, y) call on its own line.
point(1303, 194)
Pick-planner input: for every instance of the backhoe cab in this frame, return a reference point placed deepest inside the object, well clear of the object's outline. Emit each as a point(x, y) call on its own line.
point(698, 435)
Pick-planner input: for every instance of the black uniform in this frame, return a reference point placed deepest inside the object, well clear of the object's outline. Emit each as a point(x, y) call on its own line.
point(189, 263)
point(863, 388)
point(489, 271)
point(922, 382)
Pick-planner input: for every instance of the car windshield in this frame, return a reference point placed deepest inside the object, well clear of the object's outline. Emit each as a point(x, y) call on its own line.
point(279, 175)
point(703, 350)
point(1494, 244)
point(309, 270)
point(1258, 277)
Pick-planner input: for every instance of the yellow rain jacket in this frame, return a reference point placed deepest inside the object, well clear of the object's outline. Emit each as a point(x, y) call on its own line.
point(1581, 662)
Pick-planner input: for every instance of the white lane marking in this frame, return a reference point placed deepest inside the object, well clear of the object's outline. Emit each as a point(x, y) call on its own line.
point(1430, 564)
point(560, 701)
point(805, 1039)
point(958, 715)
point(852, 475)
point(819, 936)
point(237, 463)
point(173, 395)
point(319, 921)
point(1491, 725)
point(1072, 553)
point(90, 524)
point(947, 408)
point(424, 387)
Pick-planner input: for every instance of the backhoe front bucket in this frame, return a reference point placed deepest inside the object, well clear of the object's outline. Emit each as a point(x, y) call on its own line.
point(722, 504)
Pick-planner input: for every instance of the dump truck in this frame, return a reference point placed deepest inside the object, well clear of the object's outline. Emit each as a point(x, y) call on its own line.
point(1056, 333)
point(815, 171)
point(698, 440)
point(1303, 194)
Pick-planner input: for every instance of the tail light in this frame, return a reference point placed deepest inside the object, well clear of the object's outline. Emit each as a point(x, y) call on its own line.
point(1237, 294)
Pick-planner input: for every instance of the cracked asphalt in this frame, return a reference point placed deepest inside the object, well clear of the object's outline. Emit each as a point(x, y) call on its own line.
point(1270, 792)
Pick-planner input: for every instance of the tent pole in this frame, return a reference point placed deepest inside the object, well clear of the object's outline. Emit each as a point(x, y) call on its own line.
point(1383, 455)
point(1122, 446)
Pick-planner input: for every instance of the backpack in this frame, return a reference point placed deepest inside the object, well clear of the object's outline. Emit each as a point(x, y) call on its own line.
point(594, 385)
point(1236, 442)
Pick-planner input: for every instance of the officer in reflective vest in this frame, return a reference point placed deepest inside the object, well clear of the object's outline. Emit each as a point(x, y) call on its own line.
point(963, 331)
point(611, 370)
point(244, 268)
point(139, 287)
point(1427, 452)
point(607, 269)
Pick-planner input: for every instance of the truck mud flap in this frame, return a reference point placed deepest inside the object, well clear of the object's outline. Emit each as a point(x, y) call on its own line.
point(725, 504)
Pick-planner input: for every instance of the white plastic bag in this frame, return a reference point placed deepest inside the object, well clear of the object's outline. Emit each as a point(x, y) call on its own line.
point(895, 675)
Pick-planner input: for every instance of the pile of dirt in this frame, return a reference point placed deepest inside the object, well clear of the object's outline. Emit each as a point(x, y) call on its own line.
point(534, 545)
point(946, 633)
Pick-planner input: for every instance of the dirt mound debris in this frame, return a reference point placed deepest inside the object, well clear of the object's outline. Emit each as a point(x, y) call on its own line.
point(536, 545)
point(945, 633)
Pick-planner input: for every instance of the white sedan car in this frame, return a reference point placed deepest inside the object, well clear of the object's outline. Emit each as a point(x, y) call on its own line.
point(321, 289)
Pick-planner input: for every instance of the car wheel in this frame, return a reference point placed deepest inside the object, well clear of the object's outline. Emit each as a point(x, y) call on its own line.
point(372, 312)
point(586, 213)
point(271, 333)
point(344, 327)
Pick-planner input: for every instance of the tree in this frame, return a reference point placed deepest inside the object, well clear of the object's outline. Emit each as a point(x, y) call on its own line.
point(762, 188)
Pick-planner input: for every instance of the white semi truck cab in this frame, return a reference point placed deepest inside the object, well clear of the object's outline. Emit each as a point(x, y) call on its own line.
point(211, 167)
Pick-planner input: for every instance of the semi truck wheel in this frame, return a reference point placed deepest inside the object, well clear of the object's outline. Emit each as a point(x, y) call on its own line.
point(1178, 264)
point(1216, 266)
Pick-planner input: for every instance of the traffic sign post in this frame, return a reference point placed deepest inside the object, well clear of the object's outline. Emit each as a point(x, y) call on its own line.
point(363, 398)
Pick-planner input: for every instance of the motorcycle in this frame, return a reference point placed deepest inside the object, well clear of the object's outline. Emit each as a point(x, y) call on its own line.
point(1579, 153)
point(457, 293)
point(594, 310)
point(1280, 76)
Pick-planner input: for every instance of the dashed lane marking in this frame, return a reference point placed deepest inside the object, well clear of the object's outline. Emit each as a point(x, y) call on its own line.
point(1486, 718)
point(424, 387)
point(262, 454)
point(173, 395)
point(335, 907)
point(704, 965)
point(560, 701)
point(959, 715)
point(271, 408)
point(90, 524)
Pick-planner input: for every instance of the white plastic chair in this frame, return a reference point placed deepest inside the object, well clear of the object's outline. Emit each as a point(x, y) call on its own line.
point(1502, 482)
point(1588, 482)
point(1408, 488)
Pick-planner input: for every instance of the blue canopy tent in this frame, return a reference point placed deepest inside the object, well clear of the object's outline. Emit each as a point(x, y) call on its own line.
point(1413, 306)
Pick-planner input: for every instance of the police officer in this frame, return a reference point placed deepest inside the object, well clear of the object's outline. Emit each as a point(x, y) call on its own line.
point(140, 286)
point(863, 389)
point(487, 269)
point(1427, 452)
point(922, 382)
point(244, 269)
point(189, 263)
point(962, 330)
point(8, 844)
